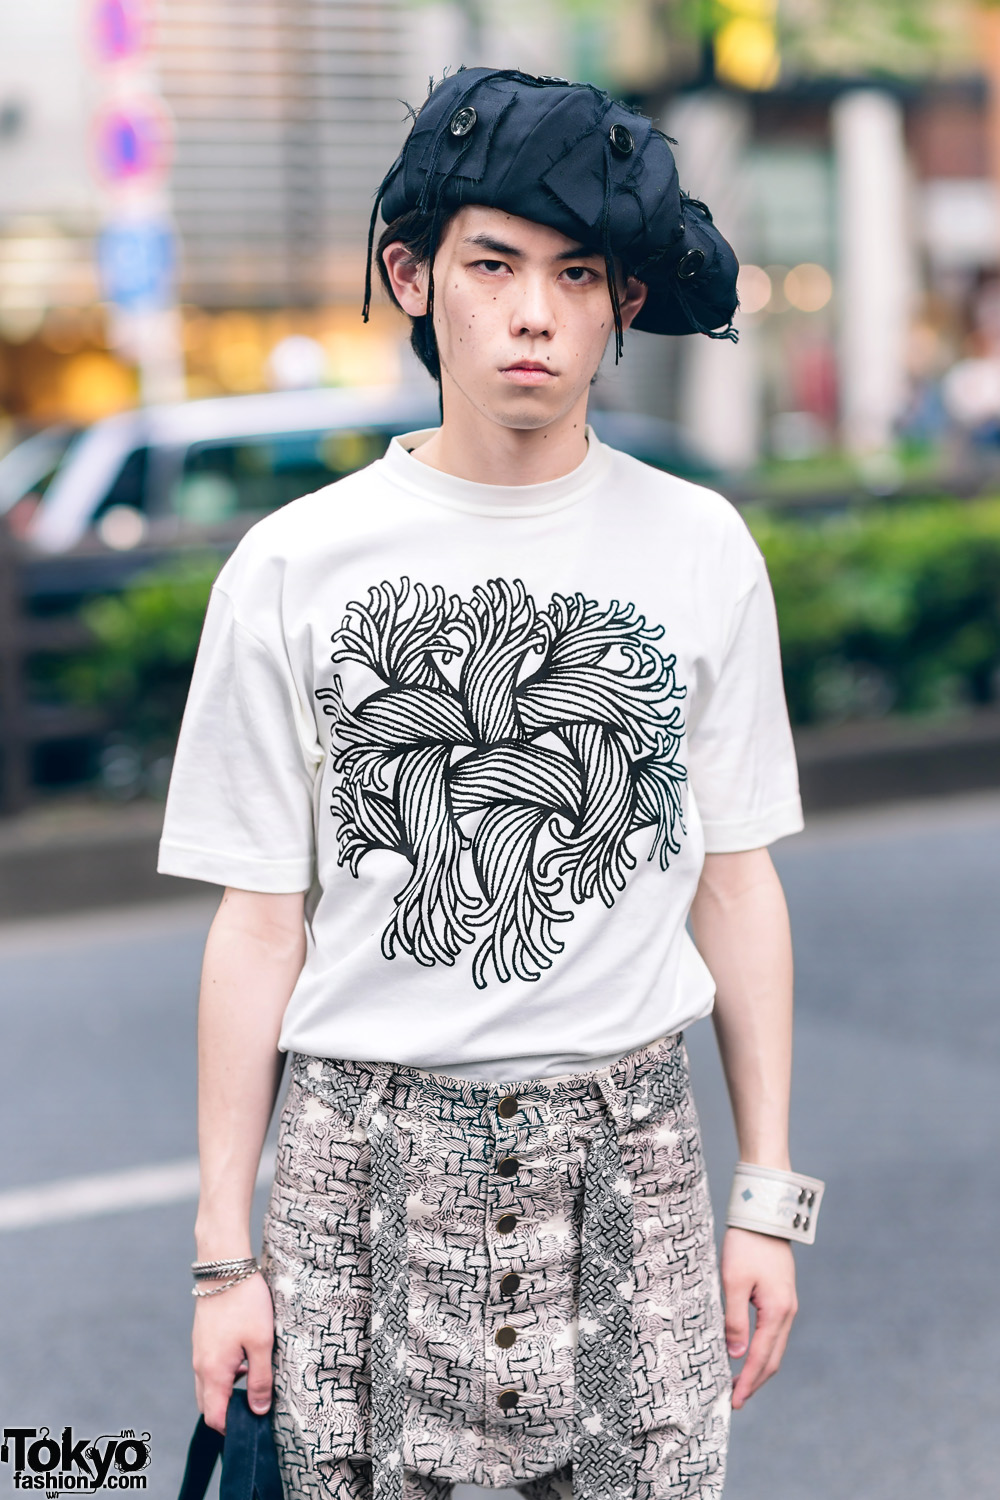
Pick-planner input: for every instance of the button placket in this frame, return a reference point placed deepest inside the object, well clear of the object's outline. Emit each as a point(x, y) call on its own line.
point(506, 1207)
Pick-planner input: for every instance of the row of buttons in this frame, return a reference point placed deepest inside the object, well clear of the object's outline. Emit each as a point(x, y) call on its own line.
point(463, 122)
point(507, 1108)
point(504, 1337)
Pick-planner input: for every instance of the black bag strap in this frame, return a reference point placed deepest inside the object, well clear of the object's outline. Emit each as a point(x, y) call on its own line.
point(249, 1461)
point(203, 1450)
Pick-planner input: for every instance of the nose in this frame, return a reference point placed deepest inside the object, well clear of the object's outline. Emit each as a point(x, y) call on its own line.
point(532, 313)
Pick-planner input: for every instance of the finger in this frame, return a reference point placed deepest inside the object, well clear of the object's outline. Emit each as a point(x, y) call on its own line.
point(737, 1318)
point(764, 1357)
point(218, 1389)
point(259, 1377)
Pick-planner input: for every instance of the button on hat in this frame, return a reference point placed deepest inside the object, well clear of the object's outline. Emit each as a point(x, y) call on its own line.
point(463, 120)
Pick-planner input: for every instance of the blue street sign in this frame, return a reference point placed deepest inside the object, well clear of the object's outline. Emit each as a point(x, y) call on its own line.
point(137, 260)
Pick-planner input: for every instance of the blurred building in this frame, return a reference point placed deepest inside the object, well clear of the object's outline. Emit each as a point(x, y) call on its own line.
point(864, 208)
point(865, 211)
point(285, 115)
point(51, 329)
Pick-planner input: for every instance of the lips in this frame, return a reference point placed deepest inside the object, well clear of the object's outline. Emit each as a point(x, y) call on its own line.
point(528, 372)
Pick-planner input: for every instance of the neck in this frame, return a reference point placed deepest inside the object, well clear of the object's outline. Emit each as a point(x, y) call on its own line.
point(473, 446)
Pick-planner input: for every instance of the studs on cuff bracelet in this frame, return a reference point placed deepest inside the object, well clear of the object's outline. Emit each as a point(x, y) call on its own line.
point(772, 1201)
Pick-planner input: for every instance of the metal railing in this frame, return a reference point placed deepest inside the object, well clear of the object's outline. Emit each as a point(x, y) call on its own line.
point(26, 724)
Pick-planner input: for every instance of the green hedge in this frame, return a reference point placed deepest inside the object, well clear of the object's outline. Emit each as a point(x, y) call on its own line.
point(145, 642)
point(890, 608)
point(883, 609)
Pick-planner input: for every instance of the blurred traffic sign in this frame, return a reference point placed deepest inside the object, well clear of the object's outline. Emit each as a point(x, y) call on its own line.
point(137, 259)
point(133, 139)
point(745, 44)
point(120, 28)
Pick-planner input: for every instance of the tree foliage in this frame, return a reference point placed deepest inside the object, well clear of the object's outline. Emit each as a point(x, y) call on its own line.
point(894, 609)
point(816, 37)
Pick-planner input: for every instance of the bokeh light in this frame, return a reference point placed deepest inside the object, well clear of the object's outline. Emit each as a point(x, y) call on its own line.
point(122, 527)
point(754, 288)
point(808, 287)
point(747, 55)
point(94, 384)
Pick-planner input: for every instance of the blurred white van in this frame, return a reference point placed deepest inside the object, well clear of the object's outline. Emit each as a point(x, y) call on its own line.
point(166, 477)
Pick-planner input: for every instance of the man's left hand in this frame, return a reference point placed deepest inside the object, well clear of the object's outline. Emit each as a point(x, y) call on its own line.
point(757, 1269)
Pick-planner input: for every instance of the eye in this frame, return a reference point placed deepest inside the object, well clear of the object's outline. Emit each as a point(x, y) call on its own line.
point(580, 275)
point(491, 267)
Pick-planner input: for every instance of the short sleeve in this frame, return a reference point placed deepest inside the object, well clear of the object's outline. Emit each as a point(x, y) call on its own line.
point(240, 803)
point(741, 757)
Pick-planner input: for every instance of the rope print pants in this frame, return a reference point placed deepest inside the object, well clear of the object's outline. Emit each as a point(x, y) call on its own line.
point(496, 1284)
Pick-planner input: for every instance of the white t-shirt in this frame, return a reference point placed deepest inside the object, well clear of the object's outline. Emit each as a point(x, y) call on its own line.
point(491, 731)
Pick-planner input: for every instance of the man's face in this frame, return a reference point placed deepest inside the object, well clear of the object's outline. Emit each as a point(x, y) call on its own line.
point(521, 316)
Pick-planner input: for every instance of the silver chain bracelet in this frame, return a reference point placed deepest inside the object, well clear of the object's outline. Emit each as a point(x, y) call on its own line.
point(248, 1270)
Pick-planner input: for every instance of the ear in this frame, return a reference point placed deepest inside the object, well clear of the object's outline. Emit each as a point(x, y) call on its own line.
point(631, 304)
point(408, 278)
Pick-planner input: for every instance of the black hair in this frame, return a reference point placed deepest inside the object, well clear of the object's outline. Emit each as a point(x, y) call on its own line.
point(421, 231)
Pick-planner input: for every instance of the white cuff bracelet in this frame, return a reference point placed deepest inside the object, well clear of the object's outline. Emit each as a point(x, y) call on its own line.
point(785, 1204)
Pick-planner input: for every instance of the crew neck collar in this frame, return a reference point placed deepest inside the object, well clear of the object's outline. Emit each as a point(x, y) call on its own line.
point(403, 469)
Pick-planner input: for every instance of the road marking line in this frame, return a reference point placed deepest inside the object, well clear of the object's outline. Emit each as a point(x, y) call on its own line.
point(108, 1193)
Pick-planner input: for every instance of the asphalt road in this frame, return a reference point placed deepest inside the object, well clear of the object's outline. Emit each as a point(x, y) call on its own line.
point(889, 1389)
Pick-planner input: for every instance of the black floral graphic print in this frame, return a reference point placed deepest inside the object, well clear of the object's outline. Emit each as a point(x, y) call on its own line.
point(509, 755)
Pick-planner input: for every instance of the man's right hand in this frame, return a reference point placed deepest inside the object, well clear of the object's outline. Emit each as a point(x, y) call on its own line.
point(233, 1335)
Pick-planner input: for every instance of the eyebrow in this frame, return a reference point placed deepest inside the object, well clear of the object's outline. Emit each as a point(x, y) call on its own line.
point(487, 242)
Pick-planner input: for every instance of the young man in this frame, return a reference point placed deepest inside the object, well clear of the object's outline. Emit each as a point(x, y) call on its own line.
point(470, 735)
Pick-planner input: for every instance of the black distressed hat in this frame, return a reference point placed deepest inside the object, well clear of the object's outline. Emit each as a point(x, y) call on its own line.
point(569, 156)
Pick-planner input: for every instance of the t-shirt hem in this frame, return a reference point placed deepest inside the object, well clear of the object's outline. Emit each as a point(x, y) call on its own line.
point(268, 876)
point(307, 1042)
point(754, 833)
